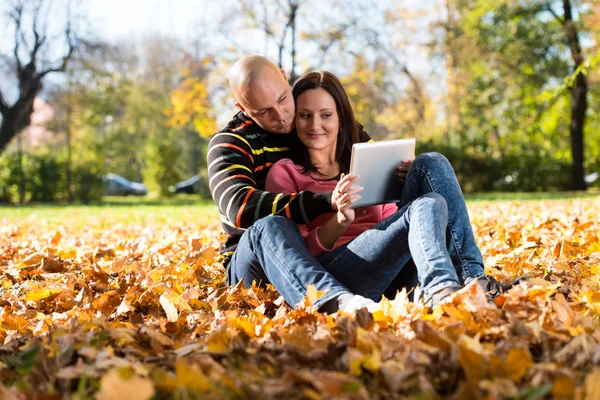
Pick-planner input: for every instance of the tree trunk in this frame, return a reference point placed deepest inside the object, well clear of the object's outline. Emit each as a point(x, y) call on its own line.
point(578, 102)
point(294, 9)
point(18, 117)
point(7, 131)
point(69, 150)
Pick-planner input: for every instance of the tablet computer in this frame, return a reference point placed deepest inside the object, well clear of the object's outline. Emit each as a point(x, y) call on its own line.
point(376, 163)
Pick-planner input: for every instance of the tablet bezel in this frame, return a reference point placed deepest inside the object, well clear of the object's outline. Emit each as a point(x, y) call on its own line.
point(376, 163)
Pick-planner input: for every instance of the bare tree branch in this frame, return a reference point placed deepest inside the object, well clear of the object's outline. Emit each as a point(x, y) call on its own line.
point(333, 38)
point(16, 17)
point(548, 7)
point(71, 42)
point(417, 97)
point(30, 72)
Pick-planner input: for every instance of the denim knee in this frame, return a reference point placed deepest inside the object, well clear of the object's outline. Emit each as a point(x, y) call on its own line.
point(435, 201)
point(431, 160)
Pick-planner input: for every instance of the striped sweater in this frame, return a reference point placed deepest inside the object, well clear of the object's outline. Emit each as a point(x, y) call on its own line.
point(239, 158)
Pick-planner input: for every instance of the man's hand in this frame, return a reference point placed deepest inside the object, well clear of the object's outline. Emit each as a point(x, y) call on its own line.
point(403, 170)
point(342, 187)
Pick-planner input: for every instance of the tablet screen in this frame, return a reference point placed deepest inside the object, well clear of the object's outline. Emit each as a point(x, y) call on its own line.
point(376, 164)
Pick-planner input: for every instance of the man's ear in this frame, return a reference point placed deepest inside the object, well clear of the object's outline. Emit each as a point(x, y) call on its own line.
point(238, 105)
point(284, 74)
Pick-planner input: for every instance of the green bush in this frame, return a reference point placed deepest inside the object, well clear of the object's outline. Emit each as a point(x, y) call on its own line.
point(44, 176)
point(480, 172)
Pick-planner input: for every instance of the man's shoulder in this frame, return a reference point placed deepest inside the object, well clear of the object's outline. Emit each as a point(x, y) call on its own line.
point(240, 129)
point(241, 125)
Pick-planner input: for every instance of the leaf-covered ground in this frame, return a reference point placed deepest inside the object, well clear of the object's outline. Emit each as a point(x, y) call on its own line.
point(106, 307)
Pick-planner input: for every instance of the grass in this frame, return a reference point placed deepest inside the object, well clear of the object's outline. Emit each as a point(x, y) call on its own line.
point(125, 210)
point(529, 196)
point(187, 207)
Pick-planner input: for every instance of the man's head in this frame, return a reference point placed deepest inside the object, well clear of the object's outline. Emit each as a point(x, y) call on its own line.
point(262, 92)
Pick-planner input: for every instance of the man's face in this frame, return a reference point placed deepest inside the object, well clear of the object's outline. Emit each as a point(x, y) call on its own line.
point(269, 102)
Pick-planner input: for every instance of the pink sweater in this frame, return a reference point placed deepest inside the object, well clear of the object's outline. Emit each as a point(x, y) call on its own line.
point(286, 177)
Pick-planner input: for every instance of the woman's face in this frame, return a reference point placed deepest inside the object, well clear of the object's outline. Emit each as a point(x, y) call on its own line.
point(317, 121)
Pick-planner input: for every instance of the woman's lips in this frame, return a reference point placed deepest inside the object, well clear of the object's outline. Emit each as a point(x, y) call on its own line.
point(315, 135)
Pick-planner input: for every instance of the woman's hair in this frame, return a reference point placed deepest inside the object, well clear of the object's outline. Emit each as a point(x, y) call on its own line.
point(349, 130)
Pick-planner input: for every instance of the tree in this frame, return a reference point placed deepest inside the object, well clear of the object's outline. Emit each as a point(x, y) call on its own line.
point(578, 97)
point(503, 58)
point(302, 33)
point(31, 66)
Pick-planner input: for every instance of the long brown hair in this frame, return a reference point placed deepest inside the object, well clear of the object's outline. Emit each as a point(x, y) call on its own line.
point(349, 130)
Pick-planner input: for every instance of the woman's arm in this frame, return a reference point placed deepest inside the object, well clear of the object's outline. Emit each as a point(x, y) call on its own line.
point(331, 231)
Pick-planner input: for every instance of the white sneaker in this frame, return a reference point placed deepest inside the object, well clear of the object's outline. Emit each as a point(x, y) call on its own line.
point(355, 303)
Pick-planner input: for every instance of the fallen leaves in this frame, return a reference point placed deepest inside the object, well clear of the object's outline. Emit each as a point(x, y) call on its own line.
point(120, 310)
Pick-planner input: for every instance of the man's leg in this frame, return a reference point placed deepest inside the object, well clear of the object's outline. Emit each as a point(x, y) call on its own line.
point(370, 263)
point(273, 251)
point(432, 172)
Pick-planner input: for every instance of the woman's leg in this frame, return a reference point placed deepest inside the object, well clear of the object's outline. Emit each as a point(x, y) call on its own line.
point(433, 173)
point(370, 263)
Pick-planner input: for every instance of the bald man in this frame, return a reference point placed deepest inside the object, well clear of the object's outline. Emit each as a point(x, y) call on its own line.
point(263, 241)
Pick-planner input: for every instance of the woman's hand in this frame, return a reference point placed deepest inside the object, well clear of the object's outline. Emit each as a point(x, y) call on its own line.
point(344, 196)
point(403, 170)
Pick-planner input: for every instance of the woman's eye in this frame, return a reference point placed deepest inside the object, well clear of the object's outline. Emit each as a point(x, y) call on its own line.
point(304, 115)
point(326, 115)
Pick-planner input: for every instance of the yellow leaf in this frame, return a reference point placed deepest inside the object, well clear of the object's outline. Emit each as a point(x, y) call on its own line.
point(592, 385)
point(33, 259)
point(37, 295)
point(471, 357)
point(170, 301)
point(114, 386)
point(313, 294)
point(218, 341)
point(564, 387)
point(190, 376)
point(518, 362)
point(373, 362)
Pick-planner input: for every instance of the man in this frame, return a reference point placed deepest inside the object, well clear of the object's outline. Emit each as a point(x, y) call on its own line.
point(263, 243)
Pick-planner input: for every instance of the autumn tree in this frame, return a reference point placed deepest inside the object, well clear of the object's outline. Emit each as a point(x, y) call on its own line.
point(31, 60)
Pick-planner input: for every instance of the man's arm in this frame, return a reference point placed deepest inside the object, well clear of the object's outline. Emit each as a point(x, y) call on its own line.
point(231, 170)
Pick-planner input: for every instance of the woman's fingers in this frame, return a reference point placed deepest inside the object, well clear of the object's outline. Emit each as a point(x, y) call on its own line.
point(346, 183)
point(355, 190)
point(347, 200)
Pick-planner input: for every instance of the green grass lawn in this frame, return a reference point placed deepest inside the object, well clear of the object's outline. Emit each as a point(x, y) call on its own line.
point(145, 210)
point(526, 196)
point(125, 210)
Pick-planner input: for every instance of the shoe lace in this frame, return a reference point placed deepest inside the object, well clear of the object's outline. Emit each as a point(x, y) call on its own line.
point(493, 287)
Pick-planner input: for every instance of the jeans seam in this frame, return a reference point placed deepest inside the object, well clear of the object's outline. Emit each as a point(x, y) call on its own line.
point(296, 282)
point(422, 247)
point(450, 225)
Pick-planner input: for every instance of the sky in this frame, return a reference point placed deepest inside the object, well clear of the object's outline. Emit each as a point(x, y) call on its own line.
point(187, 20)
point(116, 19)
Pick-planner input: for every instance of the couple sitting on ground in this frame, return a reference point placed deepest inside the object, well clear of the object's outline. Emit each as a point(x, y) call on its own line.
point(279, 175)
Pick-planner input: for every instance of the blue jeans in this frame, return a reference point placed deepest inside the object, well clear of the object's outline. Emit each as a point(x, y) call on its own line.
point(432, 226)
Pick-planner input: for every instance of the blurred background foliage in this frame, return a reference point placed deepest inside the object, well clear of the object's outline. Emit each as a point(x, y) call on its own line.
point(496, 97)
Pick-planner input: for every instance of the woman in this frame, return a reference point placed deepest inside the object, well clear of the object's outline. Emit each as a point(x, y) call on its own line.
point(365, 250)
